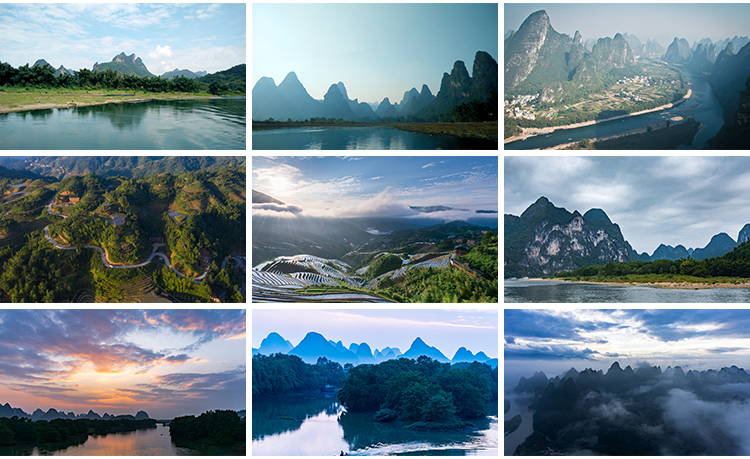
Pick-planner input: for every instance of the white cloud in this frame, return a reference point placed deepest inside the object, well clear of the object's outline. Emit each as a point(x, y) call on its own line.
point(161, 52)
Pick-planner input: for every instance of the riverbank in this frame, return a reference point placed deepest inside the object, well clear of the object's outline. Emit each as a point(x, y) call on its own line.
point(532, 132)
point(11, 102)
point(742, 283)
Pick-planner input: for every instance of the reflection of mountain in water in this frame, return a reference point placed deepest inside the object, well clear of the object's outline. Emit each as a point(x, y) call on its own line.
point(276, 415)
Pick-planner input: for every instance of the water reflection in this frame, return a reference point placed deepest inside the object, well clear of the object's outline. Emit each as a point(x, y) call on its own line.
point(293, 426)
point(174, 125)
point(358, 138)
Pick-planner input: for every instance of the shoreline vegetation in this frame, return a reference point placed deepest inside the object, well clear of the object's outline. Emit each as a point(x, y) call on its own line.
point(665, 281)
point(483, 131)
point(533, 132)
point(12, 101)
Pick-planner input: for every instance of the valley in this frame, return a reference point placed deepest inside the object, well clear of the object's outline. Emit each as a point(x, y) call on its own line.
point(557, 86)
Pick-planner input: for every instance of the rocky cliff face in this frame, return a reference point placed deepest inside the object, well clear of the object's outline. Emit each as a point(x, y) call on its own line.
point(546, 239)
point(610, 53)
point(524, 49)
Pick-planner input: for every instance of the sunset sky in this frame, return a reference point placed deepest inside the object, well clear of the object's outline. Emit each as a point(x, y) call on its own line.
point(167, 363)
point(447, 330)
point(357, 186)
point(553, 341)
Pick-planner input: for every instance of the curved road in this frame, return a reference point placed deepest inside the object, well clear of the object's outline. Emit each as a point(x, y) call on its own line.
point(104, 255)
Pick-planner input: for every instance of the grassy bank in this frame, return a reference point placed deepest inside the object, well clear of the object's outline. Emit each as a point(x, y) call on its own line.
point(19, 99)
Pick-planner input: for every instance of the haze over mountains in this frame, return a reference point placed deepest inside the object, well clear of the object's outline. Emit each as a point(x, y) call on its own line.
point(315, 345)
point(546, 239)
point(290, 99)
point(641, 412)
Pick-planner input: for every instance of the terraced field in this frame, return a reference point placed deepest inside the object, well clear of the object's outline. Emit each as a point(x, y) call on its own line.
point(278, 280)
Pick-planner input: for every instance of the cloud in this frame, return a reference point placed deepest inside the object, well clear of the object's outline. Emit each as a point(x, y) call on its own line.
point(546, 352)
point(161, 52)
point(277, 208)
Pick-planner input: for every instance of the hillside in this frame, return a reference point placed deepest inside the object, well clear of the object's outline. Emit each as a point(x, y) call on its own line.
point(232, 80)
point(124, 65)
point(191, 223)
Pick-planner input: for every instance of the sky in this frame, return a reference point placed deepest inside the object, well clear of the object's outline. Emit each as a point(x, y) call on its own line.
point(667, 200)
point(447, 330)
point(192, 36)
point(167, 363)
point(554, 340)
point(376, 50)
point(376, 185)
point(662, 21)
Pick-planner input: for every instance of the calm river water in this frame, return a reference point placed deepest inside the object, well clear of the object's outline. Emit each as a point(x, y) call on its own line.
point(702, 104)
point(143, 442)
point(575, 292)
point(300, 426)
point(355, 138)
point(201, 124)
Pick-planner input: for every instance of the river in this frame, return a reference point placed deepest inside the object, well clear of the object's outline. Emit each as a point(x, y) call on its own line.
point(196, 124)
point(702, 104)
point(518, 406)
point(577, 292)
point(319, 426)
point(354, 138)
point(143, 442)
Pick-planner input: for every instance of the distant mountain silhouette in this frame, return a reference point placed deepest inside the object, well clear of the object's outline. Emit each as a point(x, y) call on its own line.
point(185, 73)
point(419, 348)
point(335, 105)
point(124, 65)
point(6, 411)
point(386, 109)
point(315, 345)
point(274, 343)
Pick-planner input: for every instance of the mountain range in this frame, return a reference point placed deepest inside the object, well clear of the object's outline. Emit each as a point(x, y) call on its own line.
point(546, 239)
point(7, 411)
point(290, 99)
point(315, 345)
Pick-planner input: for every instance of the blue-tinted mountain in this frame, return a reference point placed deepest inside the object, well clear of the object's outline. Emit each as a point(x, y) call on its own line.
point(289, 100)
point(274, 343)
point(635, 44)
point(703, 58)
point(721, 244)
point(184, 73)
point(728, 77)
point(335, 105)
point(744, 234)
point(406, 101)
point(465, 355)
point(652, 47)
point(386, 109)
point(314, 345)
point(124, 65)
point(419, 348)
point(678, 52)
point(667, 252)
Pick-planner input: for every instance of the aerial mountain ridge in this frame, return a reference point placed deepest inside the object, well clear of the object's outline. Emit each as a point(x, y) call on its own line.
point(678, 52)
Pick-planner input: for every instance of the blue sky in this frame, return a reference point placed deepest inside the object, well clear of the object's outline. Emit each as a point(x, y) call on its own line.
point(553, 341)
point(165, 362)
point(193, 36)
point(662, 21)
point(447, 330)
point(668, 200)
point(376, 50)
point(379, 185)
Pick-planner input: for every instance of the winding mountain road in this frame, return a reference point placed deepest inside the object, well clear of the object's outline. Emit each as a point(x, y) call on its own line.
point(103, 254)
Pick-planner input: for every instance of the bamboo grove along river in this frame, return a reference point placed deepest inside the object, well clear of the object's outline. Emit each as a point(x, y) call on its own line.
point(702, 104)
point(194, 124)
point(319, 426)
